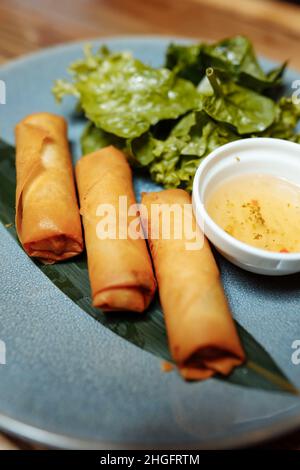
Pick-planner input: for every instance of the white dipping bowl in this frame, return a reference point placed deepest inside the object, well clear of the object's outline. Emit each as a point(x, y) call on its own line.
point(274, 157)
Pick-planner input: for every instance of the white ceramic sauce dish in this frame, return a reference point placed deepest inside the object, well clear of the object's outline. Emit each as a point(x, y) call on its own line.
point(269, 156)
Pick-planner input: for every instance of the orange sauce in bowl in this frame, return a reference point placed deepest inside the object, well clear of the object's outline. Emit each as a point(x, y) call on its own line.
point(258, 209)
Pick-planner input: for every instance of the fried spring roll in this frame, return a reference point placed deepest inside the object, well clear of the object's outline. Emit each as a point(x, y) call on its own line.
point(202, 336)
point(47, 214)
point(120, 270)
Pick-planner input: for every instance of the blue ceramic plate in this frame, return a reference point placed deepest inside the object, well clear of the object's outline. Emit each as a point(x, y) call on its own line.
point(71, 382)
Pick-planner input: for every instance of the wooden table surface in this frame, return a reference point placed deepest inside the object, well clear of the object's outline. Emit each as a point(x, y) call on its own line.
point(28, 25)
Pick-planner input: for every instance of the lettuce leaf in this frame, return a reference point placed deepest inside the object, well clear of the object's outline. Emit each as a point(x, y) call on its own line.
point(94, 139)
point(186, 61)
point(163, 122)
point(286, 119)
point(234, 55)
point(174, 161)
point(242, 108)
point(123, 96)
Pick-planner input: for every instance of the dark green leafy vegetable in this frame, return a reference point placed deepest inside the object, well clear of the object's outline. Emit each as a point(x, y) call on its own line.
point(123, 96)
point(235, 56)
point(285, 122)
point(186, 61)
point(174, 161)
point(148, 331)
point(242, 108)
point(158, 117)
point(94, 138)
point(161, 157)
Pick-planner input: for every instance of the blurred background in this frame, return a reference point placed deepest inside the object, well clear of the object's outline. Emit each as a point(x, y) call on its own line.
point(272, 25)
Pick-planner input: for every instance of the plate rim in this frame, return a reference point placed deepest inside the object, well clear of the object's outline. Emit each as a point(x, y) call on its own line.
point(60, 46)
point(55, 440)
point(11, 62)
point(36, 435)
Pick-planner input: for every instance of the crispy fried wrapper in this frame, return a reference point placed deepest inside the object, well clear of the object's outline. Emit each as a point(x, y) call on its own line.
point(120, 269)
point(201, 332)
point(47, 214)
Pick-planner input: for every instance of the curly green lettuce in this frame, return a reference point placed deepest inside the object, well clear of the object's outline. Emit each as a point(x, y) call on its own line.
point(161, 120)
point(123, 96)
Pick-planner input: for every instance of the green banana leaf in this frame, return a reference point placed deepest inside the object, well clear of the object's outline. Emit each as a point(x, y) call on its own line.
point(147, 331)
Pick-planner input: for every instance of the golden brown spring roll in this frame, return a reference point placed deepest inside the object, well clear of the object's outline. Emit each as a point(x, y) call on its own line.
point(120, 270)
point(47, 214)
point(202, 336)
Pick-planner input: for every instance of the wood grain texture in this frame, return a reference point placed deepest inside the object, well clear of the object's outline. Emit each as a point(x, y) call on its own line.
point(32, 24)
point(28, 25)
